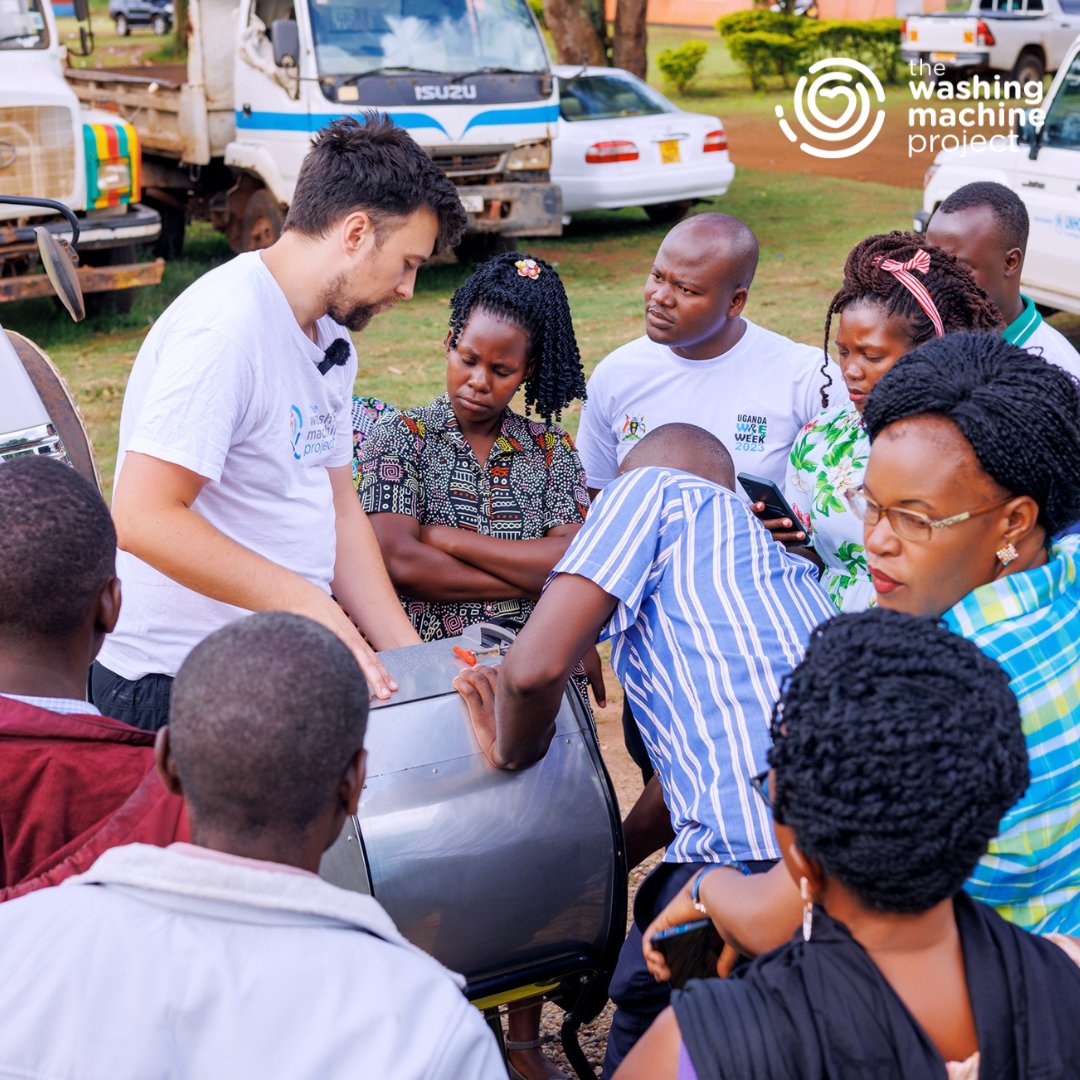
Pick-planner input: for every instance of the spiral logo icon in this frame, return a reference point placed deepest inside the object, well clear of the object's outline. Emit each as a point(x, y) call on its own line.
point(835, 78)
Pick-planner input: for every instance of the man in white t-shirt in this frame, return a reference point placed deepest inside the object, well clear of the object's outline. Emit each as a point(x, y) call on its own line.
point(985, 225)
point(229, 956)
point(233, 481)
point(702, 362)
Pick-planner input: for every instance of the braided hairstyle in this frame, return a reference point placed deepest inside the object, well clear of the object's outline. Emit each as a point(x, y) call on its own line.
point(893, 783)
point(961, 304)
point(1020, 414)
point(537, 305)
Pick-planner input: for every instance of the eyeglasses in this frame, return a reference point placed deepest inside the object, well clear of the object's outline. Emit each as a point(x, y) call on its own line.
point(760, 784)
point(909, 524)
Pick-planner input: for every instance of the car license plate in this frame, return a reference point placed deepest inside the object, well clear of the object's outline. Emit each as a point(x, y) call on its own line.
point(473, 204)
point(942, 57)
point(669, 151)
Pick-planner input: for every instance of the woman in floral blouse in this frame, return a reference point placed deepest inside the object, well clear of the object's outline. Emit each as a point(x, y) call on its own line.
point(473, 504)
point(898, 293)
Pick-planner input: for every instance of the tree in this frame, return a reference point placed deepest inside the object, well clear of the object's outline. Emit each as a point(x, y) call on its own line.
point(630, 36)
point(579, 30)
point(574, 31)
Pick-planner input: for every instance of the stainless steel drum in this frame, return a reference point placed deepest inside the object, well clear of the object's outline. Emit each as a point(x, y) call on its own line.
point(38, 415)
point(515, 879)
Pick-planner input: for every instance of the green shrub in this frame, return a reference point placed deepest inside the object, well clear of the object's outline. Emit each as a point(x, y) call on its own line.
point(761, 54)
point(758, 21)
point(679, 66)
point(873, 42)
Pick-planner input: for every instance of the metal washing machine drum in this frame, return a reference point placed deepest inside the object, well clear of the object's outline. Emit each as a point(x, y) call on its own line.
point(515, 879)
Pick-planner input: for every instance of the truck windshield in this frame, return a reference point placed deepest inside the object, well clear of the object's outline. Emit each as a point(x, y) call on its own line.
point(22, 25)
point(445, 37)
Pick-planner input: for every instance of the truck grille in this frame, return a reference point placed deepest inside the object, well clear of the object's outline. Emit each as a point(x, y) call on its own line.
point(37, 155)
point(468, 164)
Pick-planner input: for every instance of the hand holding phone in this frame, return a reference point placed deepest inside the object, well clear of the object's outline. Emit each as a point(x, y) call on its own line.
point(690, 949)
point(777, 510)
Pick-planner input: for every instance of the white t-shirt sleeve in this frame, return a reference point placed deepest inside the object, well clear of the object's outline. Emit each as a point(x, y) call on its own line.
point(595, 441)
point(196, 403)
point(467, 1050)
point(807, 401)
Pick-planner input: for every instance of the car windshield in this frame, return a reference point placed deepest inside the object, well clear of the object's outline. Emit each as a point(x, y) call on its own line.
point(22, 25)
point(445, 37)
point(602, 97)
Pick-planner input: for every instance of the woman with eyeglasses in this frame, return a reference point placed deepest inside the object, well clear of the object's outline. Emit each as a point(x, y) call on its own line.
point(886, 786)
point(898, 292)
point(974, 466)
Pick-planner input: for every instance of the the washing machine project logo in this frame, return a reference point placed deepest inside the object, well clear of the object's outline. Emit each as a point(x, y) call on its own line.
point(835, 79)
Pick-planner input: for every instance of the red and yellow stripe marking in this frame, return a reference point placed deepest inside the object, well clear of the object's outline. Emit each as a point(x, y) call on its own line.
point(104, 144)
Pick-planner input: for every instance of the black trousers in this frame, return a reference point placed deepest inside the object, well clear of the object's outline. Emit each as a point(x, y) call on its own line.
point(142, 703)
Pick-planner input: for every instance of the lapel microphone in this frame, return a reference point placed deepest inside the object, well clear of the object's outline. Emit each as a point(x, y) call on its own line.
point(337, 354)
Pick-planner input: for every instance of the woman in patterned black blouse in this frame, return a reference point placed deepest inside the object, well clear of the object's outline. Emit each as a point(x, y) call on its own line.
point(473, 504)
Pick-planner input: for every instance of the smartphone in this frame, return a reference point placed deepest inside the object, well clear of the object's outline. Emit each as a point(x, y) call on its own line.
point(691, 950)
point(765, 491)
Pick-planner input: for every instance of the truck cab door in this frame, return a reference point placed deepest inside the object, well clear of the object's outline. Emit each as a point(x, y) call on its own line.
point(272, 122)
point(1061, 31)
point(1049, 184)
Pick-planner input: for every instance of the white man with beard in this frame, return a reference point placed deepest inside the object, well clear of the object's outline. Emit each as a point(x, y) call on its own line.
point(702, 362)
point(233, 480)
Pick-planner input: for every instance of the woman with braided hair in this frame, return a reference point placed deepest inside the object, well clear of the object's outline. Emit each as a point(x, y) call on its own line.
point(473, 504)
point(974, 466)
point(898, 292)
point(885, 787)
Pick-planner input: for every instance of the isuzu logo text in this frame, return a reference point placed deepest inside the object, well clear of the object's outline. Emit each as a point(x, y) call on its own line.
point(445, 93)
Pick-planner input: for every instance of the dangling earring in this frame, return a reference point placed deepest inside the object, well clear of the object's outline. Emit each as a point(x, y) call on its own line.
point(807, 910)
point(1006, 554)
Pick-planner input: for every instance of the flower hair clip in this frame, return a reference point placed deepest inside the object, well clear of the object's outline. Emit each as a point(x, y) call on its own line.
point(529, 268)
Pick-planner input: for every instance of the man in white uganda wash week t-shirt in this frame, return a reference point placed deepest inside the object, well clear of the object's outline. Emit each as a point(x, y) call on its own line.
point(701, 362)
point(233, 484)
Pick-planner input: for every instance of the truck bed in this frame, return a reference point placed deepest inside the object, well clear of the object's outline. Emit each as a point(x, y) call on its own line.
point(148, 97)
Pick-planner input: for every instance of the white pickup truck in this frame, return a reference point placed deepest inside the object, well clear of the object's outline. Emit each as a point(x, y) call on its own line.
point(1042, 165)
point(1024, 39)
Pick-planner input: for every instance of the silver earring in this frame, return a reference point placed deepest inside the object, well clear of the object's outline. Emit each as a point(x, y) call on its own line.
point(807, 910)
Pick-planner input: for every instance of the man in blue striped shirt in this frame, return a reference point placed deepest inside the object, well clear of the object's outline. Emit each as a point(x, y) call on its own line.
point(708, 614)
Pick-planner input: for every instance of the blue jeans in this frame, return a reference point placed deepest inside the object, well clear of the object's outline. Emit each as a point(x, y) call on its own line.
point(142, 703)
point(639, 999)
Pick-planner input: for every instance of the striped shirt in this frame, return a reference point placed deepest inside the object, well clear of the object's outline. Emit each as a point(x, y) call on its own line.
point(67, 706)
point(1030, 624)
point(712, 614)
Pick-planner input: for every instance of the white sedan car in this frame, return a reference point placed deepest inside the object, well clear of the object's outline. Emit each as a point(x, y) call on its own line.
point(622, 143)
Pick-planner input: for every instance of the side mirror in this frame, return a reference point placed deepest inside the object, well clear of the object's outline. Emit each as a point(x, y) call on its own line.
point(82, 10)
point(86, 41)
point(285, 39)
point(58, 258)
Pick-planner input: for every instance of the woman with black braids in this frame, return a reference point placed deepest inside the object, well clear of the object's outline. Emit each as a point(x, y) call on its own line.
point(898, 292)
point(886, 786)
point(974, 466)
point(474, 504)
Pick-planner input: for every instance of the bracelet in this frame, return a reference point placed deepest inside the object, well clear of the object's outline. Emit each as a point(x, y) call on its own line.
point(695, 889)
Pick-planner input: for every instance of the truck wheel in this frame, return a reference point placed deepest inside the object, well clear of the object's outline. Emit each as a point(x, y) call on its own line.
point(122, 27)
point(160, 25)
point(263, 221)
point(667, 213)
point(170, 242)
point(119, 301)
point(476, 248)
point(1029, 68)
